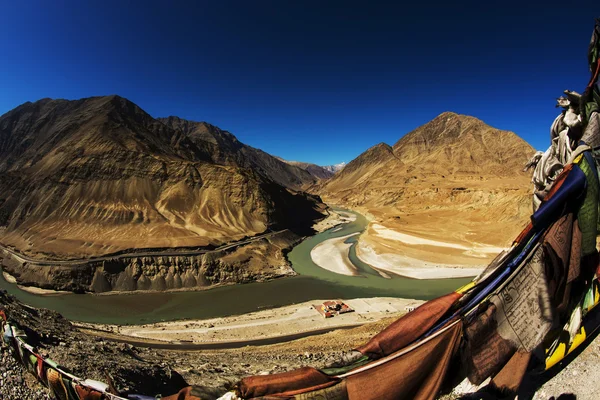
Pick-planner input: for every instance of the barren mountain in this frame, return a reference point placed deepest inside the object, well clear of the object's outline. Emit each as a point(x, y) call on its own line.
point(318, 172)
point(225, 149)
point(454, 178)
point(99, 174)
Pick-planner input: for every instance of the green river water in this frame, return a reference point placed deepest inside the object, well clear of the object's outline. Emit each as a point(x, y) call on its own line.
point(312, 283)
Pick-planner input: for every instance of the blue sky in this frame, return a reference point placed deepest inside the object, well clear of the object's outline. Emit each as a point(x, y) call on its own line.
point(316, 81)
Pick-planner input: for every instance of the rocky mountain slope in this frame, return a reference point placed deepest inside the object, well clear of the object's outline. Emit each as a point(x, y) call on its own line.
point(453, 174)
point(225, 149)
point(98, 175)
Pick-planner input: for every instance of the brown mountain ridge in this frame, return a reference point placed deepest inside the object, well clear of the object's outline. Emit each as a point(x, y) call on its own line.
point(98, 175)
point(454, 177)
point(318, 172)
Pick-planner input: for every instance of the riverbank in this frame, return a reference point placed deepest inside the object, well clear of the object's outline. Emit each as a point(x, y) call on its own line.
point(266, 324)
point(49, 292)
point(411, 267)
point(257, 259)
point(416, 248)
point(32, 289)
point(335, 218)
point(407, 249)
point(373, 249)
point(149, 371)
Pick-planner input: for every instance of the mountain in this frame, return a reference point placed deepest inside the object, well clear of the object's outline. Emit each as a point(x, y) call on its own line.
point(454, 173)
point(317, 171)
point(99, 175)
point(461, 144)
point(314, 170)
point(335, 168)
point(224, 149)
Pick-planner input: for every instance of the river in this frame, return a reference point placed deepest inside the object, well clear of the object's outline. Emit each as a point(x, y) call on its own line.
point(312, 283)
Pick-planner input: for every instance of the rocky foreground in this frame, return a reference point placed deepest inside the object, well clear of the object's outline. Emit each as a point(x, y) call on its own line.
point(16, 383)
point(148, 371)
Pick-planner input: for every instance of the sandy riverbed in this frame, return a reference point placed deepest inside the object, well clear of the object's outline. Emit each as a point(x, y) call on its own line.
point(289, 320)
point(412, 267)
point(333, 219)
point(332, 255)
point(31, 289)
point(418, 253)
point(406, 254)
point(472, 250)
point(9, 278)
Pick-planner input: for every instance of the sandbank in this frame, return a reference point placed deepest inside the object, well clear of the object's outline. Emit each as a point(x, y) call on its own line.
point(334, 219)
point(473, 249)
point(9, 278)
point(411, 267)
point(332, 255)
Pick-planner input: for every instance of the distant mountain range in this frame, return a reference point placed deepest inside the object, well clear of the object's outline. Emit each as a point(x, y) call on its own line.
point(335, 168)
point(317, 171)
point(99, 174)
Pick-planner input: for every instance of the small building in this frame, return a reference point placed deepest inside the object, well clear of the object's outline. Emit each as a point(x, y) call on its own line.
point(332, 307)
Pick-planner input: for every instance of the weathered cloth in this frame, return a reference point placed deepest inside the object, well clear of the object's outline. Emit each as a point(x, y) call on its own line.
point(568, 191)
point(56, 384)
point(41, 370)
point(188, 393)
point(574, 331)
point(565, 134)
point(336, 392)
point(72, 393)
point(286, 382)
point(417, 374)
point(562, 260)
point(588, 213)
point(520, 316)
point(140, 397)
point(591, 134)
point(408, 328)
point(86, 393)
point(516, 316)
point(509, 379)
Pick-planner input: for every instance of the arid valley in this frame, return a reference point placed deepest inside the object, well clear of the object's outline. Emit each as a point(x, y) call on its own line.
point(299, 201)
point(435, 208)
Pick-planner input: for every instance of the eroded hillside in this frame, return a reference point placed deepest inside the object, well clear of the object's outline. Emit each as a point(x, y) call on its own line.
point(99, 175)
point(454, 179)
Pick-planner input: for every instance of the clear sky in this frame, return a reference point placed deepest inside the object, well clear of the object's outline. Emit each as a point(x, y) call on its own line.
point(317, 81)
